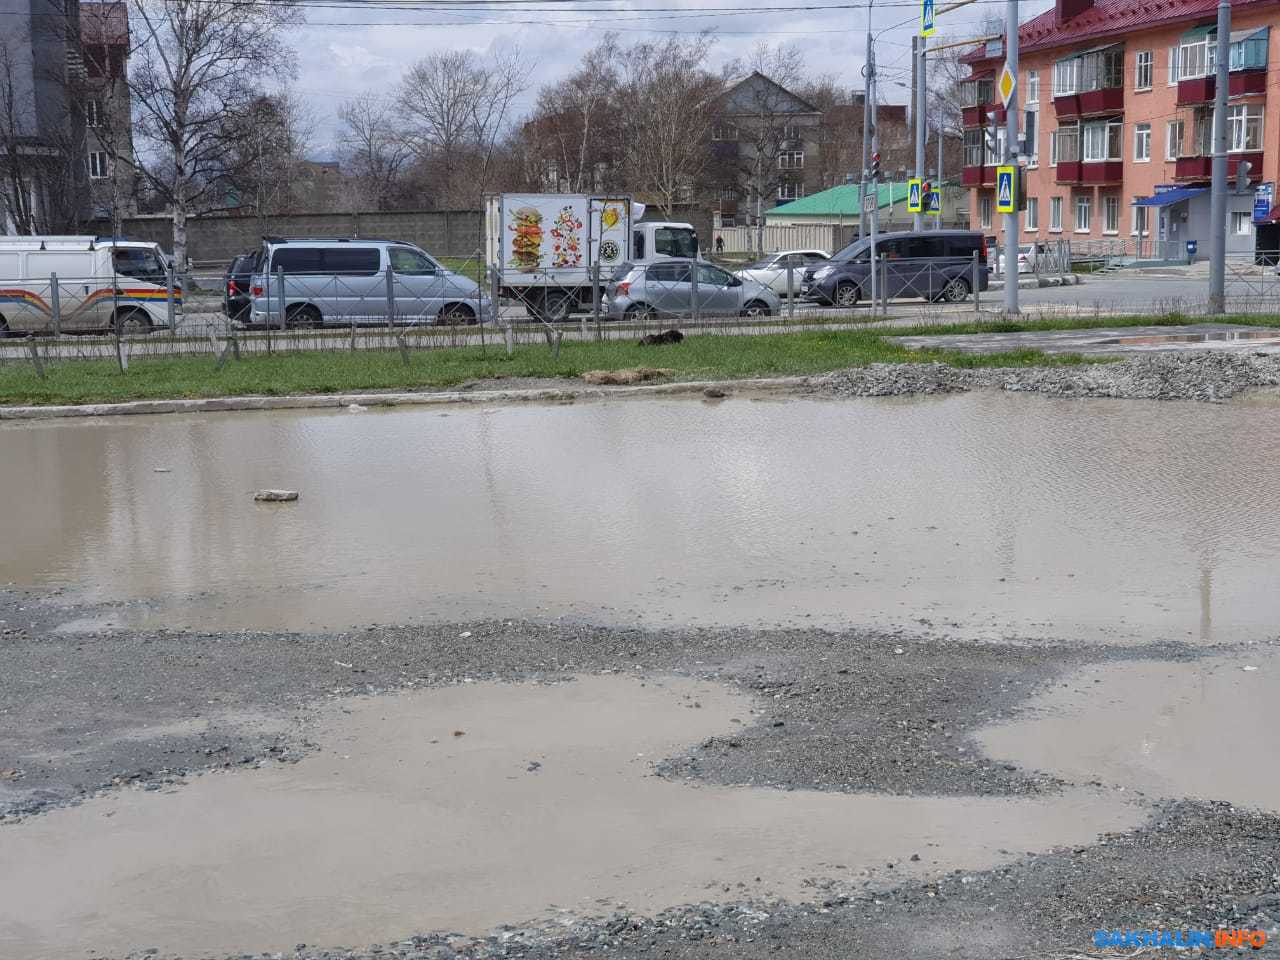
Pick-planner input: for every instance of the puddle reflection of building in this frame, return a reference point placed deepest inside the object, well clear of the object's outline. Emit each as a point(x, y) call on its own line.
point(1206, 601)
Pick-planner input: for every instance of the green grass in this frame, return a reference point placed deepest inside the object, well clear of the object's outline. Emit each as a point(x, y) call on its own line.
point(699, 357)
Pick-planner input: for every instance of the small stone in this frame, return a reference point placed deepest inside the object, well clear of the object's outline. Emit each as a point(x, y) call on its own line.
point(714, 393)
point(276, 496)
point(459, 733)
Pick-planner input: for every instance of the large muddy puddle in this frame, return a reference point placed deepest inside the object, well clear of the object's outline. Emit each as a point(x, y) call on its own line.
point(1204, 729)
point(982, 515)
point(466, 807)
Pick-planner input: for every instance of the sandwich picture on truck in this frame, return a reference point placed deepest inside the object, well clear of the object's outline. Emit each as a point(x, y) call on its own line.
point(526, 244)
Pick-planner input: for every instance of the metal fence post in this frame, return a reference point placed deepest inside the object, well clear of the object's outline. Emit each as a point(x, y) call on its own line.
point(595, 298)
point(495, 284)
point(55, 302)
point(791, 290)
point(976, 285)
point(280, 284)
point(693, 280)
point(391, 297)
point(884, 285)
point(170, 307)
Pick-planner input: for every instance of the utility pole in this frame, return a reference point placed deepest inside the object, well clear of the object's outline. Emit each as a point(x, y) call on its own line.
point(1218, 196)
point(917, 220)
point(937, 132)
point(868, 69)
point(1010, 145)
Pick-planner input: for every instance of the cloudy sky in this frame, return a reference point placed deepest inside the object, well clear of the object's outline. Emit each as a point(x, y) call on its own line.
point(359, 46)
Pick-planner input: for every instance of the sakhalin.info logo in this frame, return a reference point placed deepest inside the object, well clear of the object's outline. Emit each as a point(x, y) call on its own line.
point(1181, 939)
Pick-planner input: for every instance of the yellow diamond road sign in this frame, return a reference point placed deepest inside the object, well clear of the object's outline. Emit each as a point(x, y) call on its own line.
point(1007, 83)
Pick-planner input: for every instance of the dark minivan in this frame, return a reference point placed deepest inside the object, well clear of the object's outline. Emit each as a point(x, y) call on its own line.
point(235, 287)
point(934, 264)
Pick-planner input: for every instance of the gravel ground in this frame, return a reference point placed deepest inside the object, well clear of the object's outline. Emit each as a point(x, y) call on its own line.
point(1204, 376)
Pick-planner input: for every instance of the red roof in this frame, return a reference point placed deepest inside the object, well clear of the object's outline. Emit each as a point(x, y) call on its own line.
point(1109, 18)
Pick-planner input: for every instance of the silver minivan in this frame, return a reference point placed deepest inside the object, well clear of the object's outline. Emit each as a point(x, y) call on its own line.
point(367, 282)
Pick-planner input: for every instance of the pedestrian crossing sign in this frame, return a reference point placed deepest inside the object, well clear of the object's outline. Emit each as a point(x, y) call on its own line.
point(933, 203)
point(1006, 192)
point(926, 18)
point(914, 197)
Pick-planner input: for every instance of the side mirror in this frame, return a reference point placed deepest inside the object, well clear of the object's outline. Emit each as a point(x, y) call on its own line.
point(735, 281)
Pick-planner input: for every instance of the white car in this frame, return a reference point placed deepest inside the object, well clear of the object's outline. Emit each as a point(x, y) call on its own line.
point(1027, 254)
point(772, 270)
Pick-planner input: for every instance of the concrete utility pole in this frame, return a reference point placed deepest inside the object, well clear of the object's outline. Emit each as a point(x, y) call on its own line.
point(937, 132)
point(917, 220)
point(1218, 196)
point(867, 70)
point(1010, 145)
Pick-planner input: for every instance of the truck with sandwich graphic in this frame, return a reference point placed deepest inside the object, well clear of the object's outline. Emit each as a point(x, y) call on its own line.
point(547, 250)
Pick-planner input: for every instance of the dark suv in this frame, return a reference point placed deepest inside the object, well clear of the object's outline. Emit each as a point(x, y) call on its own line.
point(934, 264)
point(235, 287)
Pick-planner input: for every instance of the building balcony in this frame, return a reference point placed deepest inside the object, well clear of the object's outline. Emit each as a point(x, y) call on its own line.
point(1244, 83)
point(983, 114)
point(1201, 168)
point(1102, 172)
point(1068, 171)
point(1196, 90)
point(980, 176)
point(1091, 103)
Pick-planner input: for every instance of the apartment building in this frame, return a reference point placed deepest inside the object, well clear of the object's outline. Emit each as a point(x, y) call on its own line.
point(1118, 99)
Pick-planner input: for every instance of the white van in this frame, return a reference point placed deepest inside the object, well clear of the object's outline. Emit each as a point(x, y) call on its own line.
point(103, 284)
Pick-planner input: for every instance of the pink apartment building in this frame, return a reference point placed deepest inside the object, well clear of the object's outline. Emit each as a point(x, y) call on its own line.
point(1117, 100)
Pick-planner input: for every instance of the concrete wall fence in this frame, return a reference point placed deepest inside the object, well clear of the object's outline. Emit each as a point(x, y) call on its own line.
point(445, 233)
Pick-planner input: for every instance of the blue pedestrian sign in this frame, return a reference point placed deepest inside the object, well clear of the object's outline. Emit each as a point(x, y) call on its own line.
point(1263, 198)
point(914, 198)
point(926, 18)
point(1006, 195)
point(933, 203)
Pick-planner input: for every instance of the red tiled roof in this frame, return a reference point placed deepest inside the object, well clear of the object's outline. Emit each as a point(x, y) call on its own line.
point(1109, 18)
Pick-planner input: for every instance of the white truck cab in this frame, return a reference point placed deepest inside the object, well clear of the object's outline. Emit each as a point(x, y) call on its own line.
point(655, 240)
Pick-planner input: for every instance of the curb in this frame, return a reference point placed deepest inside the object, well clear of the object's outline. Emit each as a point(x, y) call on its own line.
point(335, 401)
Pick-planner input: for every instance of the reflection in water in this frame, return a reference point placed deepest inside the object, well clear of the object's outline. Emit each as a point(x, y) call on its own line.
point(982, 514)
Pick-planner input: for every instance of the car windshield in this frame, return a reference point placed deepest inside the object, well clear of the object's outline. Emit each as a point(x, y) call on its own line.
point(140, 263)
point(760, 265)
point(859, 248)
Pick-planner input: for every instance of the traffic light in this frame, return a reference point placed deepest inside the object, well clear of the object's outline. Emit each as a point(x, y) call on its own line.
point(875, 167)
point(1021, 181)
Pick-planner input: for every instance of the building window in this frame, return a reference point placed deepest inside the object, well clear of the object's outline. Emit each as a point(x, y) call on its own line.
point(1198, 58)
point(1064, 144)
point(973, 148)
point(93, 113)
point(1142, 142)
point(1083, 214)
point(1143, 65)
point(984, 211)
point(728, 220)
point(1033, 86)
point(1173, 67)
point(791, 160)
point(1244, 127)
point(1173, 140)
point(98, 165)
point(977, 93)
point(1031, 219)
point(791, 132)
point(1055, 214)
point(1102, 140)
point(1031, 135)
point(1242, 223)
point(1110, 214)
point(724, 131)
point(1066, 77)
point(1140, 222)
point(1250, 53)
point(790, 190)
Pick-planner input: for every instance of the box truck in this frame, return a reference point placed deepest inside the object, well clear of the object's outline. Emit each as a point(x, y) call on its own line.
point(548, 249)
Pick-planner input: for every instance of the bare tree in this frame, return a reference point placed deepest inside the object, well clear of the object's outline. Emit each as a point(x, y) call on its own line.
point(266, 143)
point(671, 102)
point(457, 107)
point(21, 165)
point(193, 63)
point(374, 154)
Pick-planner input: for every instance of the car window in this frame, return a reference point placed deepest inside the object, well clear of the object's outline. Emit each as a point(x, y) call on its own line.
point(922, 247)
point(410, 262)
point(890, 249)
point(674, 242)
point(713, 275)
point(813, 256)
point(621, 271)
point(669, 273)
point(962, 246)
point(352, 261)
point(137, 262)
point(858, 250)
point(296, 260)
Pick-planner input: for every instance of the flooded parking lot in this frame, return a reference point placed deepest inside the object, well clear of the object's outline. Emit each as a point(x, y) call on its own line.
point(981, 515)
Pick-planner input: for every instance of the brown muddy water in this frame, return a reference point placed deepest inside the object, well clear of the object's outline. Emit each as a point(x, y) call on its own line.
point(480, 804)
point(978, 515)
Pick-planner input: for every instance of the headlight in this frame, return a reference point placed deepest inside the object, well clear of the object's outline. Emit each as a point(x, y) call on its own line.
point(822, 272)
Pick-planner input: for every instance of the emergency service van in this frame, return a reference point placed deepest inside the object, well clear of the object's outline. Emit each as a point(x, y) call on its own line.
point(80, 284)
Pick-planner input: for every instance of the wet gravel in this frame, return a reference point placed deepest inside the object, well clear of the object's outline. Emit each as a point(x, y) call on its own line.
point(852, 710)
point(1206, 376)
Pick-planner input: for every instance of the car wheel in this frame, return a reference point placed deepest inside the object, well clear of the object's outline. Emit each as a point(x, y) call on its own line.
point(4, 327)
point(456, 314)
point(556, 307)
point(302, 315)
point(639, 313)
point(132, 320)
point(847, 295)
point(956, 290)
point(756, 308)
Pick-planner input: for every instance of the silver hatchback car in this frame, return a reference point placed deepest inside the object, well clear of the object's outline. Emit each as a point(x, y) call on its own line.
point(367, 282)
point(666, 288)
